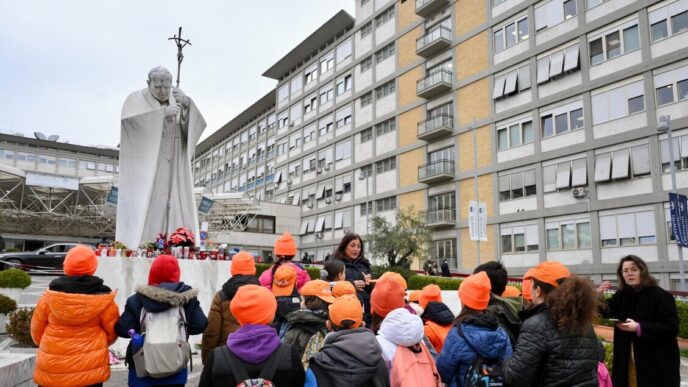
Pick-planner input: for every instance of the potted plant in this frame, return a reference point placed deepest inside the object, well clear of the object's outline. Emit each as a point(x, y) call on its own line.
point(12, 282)
point(19, 327)
point(7, 305)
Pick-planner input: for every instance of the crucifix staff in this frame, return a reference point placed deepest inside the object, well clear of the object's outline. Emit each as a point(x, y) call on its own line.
point(180, 56)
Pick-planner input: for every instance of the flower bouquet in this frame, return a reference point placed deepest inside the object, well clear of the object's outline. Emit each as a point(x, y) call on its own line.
point(182, 237)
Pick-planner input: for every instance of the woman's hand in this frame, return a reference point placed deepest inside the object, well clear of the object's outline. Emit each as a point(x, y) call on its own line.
point(604, 286)
point(367, 278)
point(628, 326)
point(359, 284)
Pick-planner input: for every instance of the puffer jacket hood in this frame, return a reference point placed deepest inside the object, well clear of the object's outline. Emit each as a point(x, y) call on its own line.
point(159, 298)
point(482, 334)
point(349, 357)
point(233, 284)
point(439, 313)
point(74, 309)
point(402, 328)
point(85, 284)
point(309, 320)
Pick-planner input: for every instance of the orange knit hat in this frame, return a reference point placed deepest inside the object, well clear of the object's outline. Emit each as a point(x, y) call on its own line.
point(346, 308)
point(429, 293)
point(414, 296)
point(395, 276)
point(318, 288)
point(527, 285)
point(474, 291)
point(284, 280)
point(80, 260)
point(342, 288)
point(511, 291)
point(386, 296)
point(549, 272)
point(243, 264)
point(285, 245)
point(253, 304)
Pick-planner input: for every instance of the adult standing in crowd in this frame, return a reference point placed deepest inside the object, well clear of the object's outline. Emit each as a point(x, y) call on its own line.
point(351, 252)
point(645, 348)
point(445, 269)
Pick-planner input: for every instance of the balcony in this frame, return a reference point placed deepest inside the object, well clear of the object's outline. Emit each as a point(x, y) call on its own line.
point(425, 8)
point(435, 40)
point(445, 217)
point(436, 171)
point(436, 127)
point(435, 83)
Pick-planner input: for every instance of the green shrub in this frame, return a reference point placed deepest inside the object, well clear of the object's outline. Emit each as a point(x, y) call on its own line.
point(7, 304)
point(420, 281)
point(19, 327)
point(14, 278)
point(261, 267)
point(682, 308)
point(609, 356)
point(313, 272)
point(378, 271)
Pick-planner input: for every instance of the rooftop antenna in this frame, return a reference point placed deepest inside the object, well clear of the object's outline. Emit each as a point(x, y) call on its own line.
point(180, 56)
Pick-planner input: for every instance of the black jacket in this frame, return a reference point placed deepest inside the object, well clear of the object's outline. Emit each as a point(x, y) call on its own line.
point(355, 270)
point(157, 299)
point(656, 354)
point(545, 356)
point(303, 324)
point(85, 284)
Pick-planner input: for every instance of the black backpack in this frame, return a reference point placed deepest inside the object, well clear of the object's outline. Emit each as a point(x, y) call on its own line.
point(238, 368)
point(483, 372)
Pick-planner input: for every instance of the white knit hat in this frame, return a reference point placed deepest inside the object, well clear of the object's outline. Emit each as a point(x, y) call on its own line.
point(402, 328)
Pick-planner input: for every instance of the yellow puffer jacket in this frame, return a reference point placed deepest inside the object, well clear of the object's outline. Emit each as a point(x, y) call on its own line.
point(73, 333)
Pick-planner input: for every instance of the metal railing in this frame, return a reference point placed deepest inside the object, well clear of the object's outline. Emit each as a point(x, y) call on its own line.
point(445, 215)
point(439, 121)
point(434, 78)
point(434, 34)
point(435, 168)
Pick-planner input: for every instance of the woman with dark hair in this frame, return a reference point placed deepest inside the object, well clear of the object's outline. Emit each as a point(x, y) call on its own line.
point(557, 345)
point(645, 348)
point(350, 251)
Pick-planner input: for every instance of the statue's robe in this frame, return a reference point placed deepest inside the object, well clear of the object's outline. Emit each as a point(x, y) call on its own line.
point(154, 165)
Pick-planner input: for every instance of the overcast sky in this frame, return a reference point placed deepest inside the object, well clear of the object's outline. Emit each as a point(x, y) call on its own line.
point(67, 66)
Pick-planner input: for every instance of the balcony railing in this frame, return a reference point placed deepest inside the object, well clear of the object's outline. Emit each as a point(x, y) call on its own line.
point(435, 127)
point(435, 40)
point(426, 8)
point(441, 218)
point(434, 83)
point(436, 171)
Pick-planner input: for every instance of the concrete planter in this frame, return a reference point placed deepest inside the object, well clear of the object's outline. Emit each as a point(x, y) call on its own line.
point(13, 293)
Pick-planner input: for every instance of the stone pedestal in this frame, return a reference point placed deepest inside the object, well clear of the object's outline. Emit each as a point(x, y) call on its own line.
point(16, 370)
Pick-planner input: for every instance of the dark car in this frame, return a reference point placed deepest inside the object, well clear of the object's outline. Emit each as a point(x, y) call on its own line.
point(47, 259)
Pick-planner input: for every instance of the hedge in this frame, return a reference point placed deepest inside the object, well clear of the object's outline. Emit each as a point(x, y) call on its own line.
point(14, 278)
point(681, 307)
point(418, 282)
point(313, 272)
point(7, 304)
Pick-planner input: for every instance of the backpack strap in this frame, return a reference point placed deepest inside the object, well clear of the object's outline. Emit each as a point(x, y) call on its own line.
point(235, 364)
point(185, 336)
point(270, 366)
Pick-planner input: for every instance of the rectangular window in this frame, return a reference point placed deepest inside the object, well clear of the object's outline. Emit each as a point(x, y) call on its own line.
point(344, 84)
point(366, 99)
point(385, 127)
point(384, 17)
point(628, 229)
point(636, 104)
point(366, 64)
point(385, 90)
point(386, 204)
point(619, 102)
point(517, 185)
point(366, 29)
point(679, 22)
point(384, 53)
point(614, 43)
point(366, 135)
point(386, 165)
point(659, 30)
point(665, 95)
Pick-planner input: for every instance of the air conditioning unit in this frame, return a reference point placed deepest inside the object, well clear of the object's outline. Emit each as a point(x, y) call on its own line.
point(328, 200)
point(579, 192)
point(310, 204)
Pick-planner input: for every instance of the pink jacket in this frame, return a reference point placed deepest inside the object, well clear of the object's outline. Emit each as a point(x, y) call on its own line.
point(603, 375)
point(301, 277)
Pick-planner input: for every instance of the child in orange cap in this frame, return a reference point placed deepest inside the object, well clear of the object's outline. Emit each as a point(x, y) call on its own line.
point(351, 355)
point(221, 322)
point(307, 327)
point(254, 349)
point(476, 332)
point(343, 288)
point(285, 251)
point(387, 295)
point(284, 290)
point(73, 325)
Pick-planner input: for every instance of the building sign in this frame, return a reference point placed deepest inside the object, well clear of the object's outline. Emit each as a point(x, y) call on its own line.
point(678, 207)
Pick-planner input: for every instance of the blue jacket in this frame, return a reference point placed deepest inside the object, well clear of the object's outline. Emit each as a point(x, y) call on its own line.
point(157, 299)
point(478, 333)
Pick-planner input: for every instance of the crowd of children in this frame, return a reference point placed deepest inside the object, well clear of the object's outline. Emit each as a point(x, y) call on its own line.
point(342, 330)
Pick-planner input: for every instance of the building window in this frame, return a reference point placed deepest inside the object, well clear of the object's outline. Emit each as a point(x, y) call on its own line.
point(668, 20)
point(511, 83)
point(614, 43)
point(558, 64)
point(366, 208)
point(671, 86)
point(366, 135)
point(564, 175)
point(366, 29)
point(622, 164)
point(260, 223)
point(445, 249)
point(618, 103)
point(568, 235)
point(680, 153)
point(343, 116)
point(311, 103)
point(325, 127)
point(366, 170)
point(366, 64)
point(384, 53)
point(283, 92)
point(630, 229)
point(366, 99)
point(514, 135)
point(43, 159)
point(384, 17)
point(385, 127)
point(26, 157)
point(386, 204)
point(520, 239)
point(342, 150)
point(562, 120)
point(553, 13)
point(510, 34)
point(344, 51)
point(385, 90)
point(388, 164)
point(344, 84)
point(327, 62)
point(311, 75)
point(326, 94)
point(517, 185)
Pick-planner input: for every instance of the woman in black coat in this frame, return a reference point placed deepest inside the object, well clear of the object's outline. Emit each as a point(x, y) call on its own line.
point(357, 270)
point(648, 325)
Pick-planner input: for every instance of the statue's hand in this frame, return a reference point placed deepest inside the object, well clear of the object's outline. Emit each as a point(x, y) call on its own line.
point(180, 97)
point(171, 111)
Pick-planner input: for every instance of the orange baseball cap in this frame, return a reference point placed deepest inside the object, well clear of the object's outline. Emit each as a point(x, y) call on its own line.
point(511, 291)
point(549, 272)
point(343, 288)
point(80, 260)
point(395, 276)
point(284, 280)
point(429, 293)
point(253, 304)
point(414, 296)
point(318, 288)
point(474, 291)
point(346, 308)
point(243, 264)
point(386, 296)
point(527, 285)
point(285, 245)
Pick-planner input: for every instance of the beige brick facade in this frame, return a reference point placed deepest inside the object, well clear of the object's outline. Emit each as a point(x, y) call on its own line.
point(406, 11)
point(407, 47)
point(408, 126)
point(467, 193)
point(415, 199)
point(468, 260)
point(408, 166)
point(469, 15)
point(473, 101)
point(407, 85)
point(472, 56)
point(483, 147)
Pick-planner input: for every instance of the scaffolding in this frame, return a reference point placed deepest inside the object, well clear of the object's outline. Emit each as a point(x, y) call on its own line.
point(232, 211)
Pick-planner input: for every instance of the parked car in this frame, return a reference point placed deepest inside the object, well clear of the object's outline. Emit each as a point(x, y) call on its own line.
point(46, 259)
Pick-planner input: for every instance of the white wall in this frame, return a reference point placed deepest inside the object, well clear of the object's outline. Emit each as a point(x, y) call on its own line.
point(385, 105)
point(620, 125)
point(669, 46)
point(385, 31)
point(563, 140)
point(559, 85)
point(513, 101)
point(557, 30)
point(363, 46)
point(385, 181)
point(604, 9)
point(615, 65)
point(385, 143)
point(385, 68)
point(624, 188)
point(571, 257)
point(516, 153)
point(613, 254)
point(512, 51)
point(512, 206)
point(362, 115)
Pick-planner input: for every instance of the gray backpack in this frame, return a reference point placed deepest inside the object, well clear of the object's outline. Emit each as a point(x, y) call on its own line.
point(165, 350)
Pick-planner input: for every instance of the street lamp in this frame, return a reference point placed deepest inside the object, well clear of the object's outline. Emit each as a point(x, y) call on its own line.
point(364, 176)
point(664, 125)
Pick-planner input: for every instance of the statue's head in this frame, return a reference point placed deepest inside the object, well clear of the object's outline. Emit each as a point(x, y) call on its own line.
point(160, 83)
